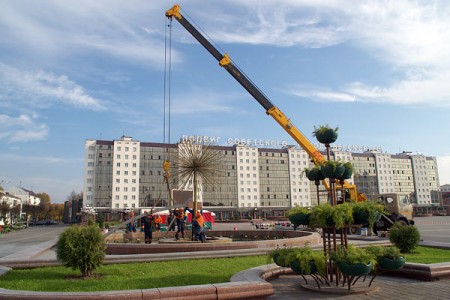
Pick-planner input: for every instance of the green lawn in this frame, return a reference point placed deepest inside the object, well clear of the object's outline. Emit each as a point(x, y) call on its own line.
point(157, 274)
point(131, 276)
point(428, 255)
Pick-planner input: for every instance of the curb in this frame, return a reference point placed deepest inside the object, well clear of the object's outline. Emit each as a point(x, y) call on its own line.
point(248, 284)
point(254, 287)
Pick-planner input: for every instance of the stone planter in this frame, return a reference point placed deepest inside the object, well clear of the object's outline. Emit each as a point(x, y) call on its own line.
point(332, 169)
point(391, 264)
point(299, 219)
point(358, 269)
point(295, 266)
point(362, 217)
point(326, 136)
point(314, 174)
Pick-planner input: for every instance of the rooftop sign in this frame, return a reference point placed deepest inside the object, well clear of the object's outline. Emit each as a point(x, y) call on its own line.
point(217, 140)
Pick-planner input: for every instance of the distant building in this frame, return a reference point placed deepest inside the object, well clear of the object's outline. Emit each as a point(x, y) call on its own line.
point(27, 196)
point(445, 189)
point(127, 174)
point(72, 211)
point(14, 205)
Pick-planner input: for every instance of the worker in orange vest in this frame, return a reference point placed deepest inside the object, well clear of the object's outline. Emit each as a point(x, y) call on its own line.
point(198, 225)
point(158, 220)
point(180, 219)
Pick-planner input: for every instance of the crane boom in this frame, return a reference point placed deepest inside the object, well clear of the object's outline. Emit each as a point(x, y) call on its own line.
point(272, 110)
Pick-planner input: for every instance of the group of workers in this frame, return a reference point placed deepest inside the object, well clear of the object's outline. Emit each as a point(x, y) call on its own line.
point(177, 218)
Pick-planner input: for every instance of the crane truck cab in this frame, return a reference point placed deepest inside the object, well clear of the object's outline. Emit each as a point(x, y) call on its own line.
point(400, 210)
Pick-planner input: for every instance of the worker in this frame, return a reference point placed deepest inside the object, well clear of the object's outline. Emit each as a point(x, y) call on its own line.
point(158, 220)
point(180, 219)
point(171, 221)
point(198, 226)
point(132, 225)
point(147, 223)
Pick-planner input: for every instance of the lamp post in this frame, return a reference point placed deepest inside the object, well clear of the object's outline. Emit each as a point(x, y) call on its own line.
point(255, 210)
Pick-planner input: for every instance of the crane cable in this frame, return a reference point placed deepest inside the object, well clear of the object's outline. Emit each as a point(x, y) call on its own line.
point(167, 80)
point(167, 98)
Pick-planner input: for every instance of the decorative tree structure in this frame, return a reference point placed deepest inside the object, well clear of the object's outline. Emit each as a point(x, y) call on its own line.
point(348, 172)
point(327, 135)
point(197, 164)
point(334, 171)
point(315, 175)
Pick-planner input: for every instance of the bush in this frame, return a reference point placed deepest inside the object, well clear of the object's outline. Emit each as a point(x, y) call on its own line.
point(280, 256)
point(381, 252)
point(352, 255)
point(100, 220)
point(82, 248)
point(405, 238)
point(325, 214)
point(298, 216)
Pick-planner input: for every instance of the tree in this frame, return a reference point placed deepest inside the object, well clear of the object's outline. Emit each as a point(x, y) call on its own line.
point(5, 208)
point(30, 210)
point(75, 196)
point(44, 206)
point(56, 211)
point(82, 248)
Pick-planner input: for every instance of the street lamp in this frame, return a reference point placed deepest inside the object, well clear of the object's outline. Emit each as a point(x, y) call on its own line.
point(255, 210)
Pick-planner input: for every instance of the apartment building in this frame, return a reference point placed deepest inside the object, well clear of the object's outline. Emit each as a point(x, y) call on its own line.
point(128, 174)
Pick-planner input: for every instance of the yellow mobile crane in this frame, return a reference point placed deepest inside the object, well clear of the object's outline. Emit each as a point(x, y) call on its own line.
point(272, 110)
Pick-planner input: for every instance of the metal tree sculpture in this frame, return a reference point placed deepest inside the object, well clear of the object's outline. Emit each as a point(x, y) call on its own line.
point(198, 163)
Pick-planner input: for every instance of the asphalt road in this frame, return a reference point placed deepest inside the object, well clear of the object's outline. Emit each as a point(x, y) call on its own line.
point(432, 229)
point(21, 239)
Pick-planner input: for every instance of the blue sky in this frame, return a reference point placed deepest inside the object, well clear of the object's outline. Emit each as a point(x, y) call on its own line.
point(77, 70)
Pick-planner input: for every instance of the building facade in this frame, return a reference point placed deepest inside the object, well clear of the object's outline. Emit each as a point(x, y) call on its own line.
point(127, 174)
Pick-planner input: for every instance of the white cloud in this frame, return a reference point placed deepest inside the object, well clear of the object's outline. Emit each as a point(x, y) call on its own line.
point(432, 90)
point(21, 129)
point(412, 33)
point(54, 29)
point(410, 37)
point(37, 88)
point(322, 95)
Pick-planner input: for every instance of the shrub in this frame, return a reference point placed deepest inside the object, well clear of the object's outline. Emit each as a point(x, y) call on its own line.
point(314, 174)
point(325, 214)
point(332, 169)
point(381, 252)
point(325, 134)
point(352, 255)
point(100, 220)
point(405, 238)
point(306, 255)
point(367, 212)
point(298, 216)
point(82, 248)
point(281, 256)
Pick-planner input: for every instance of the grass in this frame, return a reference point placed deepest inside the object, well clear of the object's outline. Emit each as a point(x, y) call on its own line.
point(158, 274)
point(130, 276)
point(428, 255)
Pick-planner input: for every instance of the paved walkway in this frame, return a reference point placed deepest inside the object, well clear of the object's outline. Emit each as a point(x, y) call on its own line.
point(290, 286)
